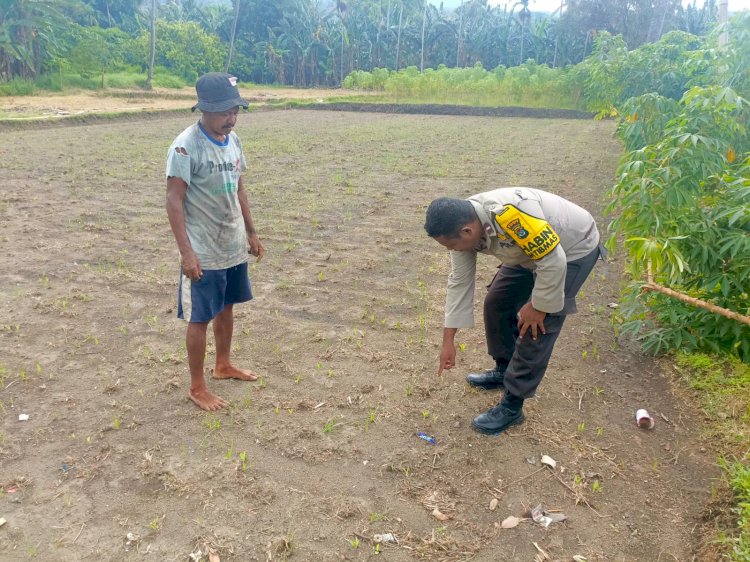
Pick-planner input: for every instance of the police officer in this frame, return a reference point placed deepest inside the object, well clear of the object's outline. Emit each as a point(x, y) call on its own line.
point(547, 247)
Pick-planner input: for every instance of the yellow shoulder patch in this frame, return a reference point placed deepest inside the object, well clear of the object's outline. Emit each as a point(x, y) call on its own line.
point(535, 236)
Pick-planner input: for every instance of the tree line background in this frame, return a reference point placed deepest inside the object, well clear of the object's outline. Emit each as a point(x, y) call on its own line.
point(308, 43)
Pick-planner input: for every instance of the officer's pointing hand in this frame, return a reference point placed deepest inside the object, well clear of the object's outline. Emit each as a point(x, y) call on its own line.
point(447, 358)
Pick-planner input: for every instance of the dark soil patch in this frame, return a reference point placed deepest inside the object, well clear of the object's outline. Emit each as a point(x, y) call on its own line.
point(426, 109)
point(441, 109)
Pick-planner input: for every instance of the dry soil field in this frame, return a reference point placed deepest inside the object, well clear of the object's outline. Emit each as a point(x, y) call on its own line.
point(51, 106)
point(322, 455)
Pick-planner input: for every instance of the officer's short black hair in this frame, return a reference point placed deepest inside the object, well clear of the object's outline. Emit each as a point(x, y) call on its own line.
point(447, 215)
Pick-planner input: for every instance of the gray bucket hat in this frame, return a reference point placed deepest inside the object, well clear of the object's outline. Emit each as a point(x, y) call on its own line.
point(217, 92)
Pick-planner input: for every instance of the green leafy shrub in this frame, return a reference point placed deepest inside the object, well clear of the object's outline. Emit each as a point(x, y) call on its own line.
point(683, 207)
point(165, 79)
point(613, 75)
point(739, 477)
point(183, 48)
point(17, 87)
point(530, 84)
point(644, 119)
point(723, 391)
point(728, 65)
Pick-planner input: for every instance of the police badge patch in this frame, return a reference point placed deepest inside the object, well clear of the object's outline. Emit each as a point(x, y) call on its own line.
point(516, 226)
point(535, 236)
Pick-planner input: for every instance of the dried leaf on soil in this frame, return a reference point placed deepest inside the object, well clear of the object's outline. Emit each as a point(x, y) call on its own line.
point(510, 522)
point(439, 515)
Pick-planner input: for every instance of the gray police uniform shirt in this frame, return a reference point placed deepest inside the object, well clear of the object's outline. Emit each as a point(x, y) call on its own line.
point(213, 217)
point(523, 227)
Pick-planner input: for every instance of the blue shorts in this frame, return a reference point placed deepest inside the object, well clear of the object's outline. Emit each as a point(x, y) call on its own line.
point(202, 300)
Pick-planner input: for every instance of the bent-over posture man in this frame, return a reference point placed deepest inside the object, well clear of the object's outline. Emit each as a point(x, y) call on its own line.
point(547, 246)
point(211, 222)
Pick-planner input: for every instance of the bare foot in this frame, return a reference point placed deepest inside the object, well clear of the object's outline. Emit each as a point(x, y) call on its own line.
point(207, 401)
point(231, 372)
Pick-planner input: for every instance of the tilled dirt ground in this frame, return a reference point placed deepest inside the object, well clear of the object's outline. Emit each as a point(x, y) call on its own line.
point(322, 455)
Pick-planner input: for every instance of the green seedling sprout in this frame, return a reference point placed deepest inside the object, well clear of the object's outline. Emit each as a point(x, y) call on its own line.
point(375, 516)
point(329, 426)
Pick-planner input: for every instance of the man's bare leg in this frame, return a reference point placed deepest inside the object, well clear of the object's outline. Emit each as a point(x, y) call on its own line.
point(223, 328)
point(195, 341)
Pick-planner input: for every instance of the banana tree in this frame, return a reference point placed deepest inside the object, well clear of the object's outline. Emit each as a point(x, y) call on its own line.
point(304, 37)
point(28, 30)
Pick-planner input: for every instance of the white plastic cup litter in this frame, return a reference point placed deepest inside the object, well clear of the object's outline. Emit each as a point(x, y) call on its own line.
point(643, 419)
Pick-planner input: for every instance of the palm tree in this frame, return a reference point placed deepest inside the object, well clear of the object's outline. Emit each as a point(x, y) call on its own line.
point(152, 46)
point(341, 7)
point(521, 21)
point(233, 34)
point(421, 50)
point(398, 35)
point(213, 18)
point(459, 35)
point(27, 35)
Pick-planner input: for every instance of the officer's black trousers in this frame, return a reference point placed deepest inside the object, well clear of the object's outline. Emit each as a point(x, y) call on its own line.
point(527, 359)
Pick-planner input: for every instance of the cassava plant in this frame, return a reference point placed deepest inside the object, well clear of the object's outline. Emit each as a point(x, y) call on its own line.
point(683, 209)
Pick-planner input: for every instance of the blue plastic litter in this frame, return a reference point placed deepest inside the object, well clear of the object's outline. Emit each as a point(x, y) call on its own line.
point(428, 438)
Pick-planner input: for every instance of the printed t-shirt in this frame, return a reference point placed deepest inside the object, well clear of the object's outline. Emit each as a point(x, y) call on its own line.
point(213, 218)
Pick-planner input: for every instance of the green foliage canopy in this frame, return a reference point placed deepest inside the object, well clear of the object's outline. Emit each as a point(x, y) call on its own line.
point(315, 42)
point(183, 47)
point(682, 199)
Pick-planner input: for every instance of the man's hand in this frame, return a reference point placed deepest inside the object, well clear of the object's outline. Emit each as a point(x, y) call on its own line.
point(255, 246)
point(447, 357)
point(448, 351)
point(530, 317)
point(190, 266)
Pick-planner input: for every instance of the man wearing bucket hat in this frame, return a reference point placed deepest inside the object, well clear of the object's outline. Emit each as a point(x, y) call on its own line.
point(210, 217)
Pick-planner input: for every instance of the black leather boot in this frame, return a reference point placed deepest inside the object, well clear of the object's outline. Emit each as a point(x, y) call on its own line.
point(488, 380)
point(507, 413)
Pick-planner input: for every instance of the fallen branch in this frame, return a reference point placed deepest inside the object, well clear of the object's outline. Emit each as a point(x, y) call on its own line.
point(501, 488)
point(725, 312)
point(79, 532)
